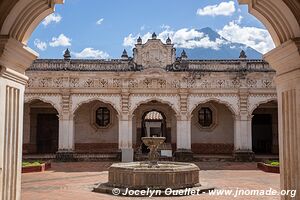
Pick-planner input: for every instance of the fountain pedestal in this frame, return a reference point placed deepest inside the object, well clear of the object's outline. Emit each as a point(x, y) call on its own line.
point(153, 143)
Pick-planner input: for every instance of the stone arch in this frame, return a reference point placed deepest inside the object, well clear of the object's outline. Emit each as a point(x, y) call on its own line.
point(85, 100)
point(53, 101)
point(194, 102)
point(217, 137)
point(136, 101)
point(281, 18)
point(255, 101)
point(24, 17)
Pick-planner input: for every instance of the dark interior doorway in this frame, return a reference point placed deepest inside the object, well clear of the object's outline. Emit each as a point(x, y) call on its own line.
point(262, 134)
point(47, 133)
point(153, 125)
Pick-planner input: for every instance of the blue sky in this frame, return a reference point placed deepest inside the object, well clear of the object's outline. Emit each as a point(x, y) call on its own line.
point(102, 29)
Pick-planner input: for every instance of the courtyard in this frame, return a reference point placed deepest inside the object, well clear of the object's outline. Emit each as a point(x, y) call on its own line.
point(96, 99)
point(75, 180)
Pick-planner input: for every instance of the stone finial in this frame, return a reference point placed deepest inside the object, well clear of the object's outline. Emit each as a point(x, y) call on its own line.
point(139, 40)
point(243, 55)
point(183, 55)
point(67, 55)
point(154, 35)
point(124, 55)
point(168, 41)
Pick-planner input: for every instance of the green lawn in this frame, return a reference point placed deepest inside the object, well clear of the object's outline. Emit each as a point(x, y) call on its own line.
point(273, 163)
point(31, 163)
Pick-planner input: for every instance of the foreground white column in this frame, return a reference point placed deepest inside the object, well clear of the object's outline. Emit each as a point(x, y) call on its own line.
point(285, 59)
point(243, 138)
point(14, 59)
point(183, 143)
point(125, 137)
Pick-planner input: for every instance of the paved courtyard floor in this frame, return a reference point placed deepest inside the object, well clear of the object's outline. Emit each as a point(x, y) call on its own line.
point(74, 181)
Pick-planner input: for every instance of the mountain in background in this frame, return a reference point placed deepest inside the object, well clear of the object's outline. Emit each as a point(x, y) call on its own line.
point(228, 50)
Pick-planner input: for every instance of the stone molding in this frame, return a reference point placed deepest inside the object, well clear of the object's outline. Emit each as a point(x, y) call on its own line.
point(93, 116)
point(215, 117)
point(15, 55)
point(254, 100)
point(172, 100)
point(119, 65)
point(231, 101)
point(283, 58)
point(205, 81)
point(53, 99)
point(113, 99)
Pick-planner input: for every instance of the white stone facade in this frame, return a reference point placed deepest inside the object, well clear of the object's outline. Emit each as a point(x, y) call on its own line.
point(152, 80)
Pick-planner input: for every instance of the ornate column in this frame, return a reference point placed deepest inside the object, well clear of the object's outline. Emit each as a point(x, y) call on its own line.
point(14, 59)
point(183, 143)
point(242, 130)
point(285, 59)
point(66, 144)
point(125, 129)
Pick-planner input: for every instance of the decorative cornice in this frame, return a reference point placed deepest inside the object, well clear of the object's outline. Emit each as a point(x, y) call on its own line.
point(120, 65)
point(13, 75)
point(286, 57)
point(14, 55)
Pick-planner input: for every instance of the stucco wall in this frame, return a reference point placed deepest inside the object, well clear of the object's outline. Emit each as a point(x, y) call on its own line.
point(220, 138)
point(89, 137)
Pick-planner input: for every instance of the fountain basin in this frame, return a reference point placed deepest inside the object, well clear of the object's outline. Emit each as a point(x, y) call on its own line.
point(138, 175)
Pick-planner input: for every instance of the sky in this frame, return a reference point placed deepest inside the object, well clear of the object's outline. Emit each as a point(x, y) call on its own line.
point(101, 29)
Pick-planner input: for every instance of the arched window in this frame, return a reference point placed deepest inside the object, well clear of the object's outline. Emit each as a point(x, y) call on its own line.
point(205, 117)
point(102, 116)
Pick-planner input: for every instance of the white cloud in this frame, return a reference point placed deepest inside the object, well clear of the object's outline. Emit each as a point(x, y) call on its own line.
point(52, 18)
point(129, 41)
point(91, 53)
point(256, 38)
point(99, 22)
point(224, 8)
point(165, 26)
point(239, 20)
point(40, 44)
point(143, 28)
point(182, 38)
point(61, 40)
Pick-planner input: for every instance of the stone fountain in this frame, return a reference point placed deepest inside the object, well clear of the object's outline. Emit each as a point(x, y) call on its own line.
point(152, 174)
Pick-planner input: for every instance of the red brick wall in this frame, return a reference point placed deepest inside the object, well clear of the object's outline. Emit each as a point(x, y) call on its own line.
point(96, 147)
point(205, 148)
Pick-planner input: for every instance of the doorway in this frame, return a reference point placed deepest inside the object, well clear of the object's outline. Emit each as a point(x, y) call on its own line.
point(262, 139)
point(153, 125)
point(47, 133)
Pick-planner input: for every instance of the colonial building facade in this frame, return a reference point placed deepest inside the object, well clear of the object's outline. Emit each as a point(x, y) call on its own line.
point(105, 106)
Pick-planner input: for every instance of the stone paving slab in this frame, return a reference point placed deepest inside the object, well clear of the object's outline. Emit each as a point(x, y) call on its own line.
point(72, 181)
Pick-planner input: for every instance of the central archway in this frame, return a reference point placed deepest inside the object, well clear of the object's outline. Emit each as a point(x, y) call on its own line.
point(154, 119)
